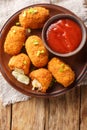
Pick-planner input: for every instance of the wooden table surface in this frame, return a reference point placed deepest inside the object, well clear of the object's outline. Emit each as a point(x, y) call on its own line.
point(66, 112)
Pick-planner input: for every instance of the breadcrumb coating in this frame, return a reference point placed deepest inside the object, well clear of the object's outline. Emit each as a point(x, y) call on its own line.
point(61, 72)
point(36, 51)
point(33, 17)
point(44, 77)
point(20, 61)
point(15, 40)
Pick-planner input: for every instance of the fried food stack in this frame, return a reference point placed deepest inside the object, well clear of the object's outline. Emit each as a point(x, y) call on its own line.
point(36, 54)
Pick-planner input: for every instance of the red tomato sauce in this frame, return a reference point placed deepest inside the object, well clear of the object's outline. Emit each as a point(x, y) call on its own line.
point(64, 36)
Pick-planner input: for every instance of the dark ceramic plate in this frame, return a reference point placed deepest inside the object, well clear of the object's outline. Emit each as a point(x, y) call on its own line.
point(77, 62)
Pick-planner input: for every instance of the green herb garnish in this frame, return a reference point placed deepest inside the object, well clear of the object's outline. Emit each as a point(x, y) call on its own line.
point(17, 23)
point(32, 11)
point(29, 30)
point(24, 14)
point(24, 62)
point(38, 53)
point(61, 70)
point(35, 42)
point(52, 82)
point(42, 51)
point(14, 31)
point(62, 65)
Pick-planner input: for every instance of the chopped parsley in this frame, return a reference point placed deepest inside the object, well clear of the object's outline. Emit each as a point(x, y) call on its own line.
point(29, 30)
point(40, 52)
point(35, 42)
point(17, 23)
point(24, 14)
point(24, 62)
point(32, 11)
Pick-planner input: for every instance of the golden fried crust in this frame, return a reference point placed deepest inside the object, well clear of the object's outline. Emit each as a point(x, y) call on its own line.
point(44, 76)
point(15, 40)
point(33, 17)
point(37, 52)
point(61, 72)
point(20, 61)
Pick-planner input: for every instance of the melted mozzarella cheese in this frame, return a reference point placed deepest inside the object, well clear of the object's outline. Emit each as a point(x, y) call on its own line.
point(36, 85)
point(19, 75)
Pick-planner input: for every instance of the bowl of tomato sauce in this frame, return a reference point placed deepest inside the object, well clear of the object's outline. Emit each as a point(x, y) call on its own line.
point(64, 35)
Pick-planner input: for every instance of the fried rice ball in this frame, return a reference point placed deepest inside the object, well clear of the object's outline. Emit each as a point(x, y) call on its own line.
point(33, 17)
point(61, 72)
point(41, 79)
point(20, 61)
point(36, 51)
point(15, 40)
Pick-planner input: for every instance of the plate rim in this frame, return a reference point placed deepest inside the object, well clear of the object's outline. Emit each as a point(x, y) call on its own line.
point(22, 90)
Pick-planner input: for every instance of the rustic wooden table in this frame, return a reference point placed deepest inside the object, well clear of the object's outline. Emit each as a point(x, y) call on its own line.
point(66, 112)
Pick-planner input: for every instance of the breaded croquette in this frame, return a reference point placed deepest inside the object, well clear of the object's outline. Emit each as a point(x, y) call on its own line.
point(15, 40)
point(61, 71)
point(20, 61)
point(33, 17)
point(36, 51)
point(41, 79)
